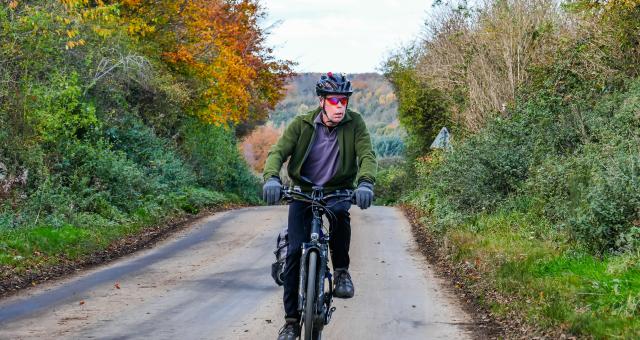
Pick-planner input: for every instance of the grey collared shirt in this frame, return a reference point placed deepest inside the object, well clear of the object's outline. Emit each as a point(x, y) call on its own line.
point(322, 161)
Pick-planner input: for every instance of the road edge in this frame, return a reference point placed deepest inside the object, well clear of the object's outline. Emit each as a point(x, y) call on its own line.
point(485, 325)
point(147, 238)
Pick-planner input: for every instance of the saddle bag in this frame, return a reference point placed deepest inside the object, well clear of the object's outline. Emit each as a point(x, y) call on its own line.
point(277, 268)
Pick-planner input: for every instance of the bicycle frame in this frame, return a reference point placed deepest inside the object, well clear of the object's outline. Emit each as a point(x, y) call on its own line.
point(318, 243)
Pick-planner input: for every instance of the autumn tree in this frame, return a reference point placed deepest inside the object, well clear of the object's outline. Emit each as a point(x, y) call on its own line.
point(220, 47)
point(215, 47)
point(255, 147)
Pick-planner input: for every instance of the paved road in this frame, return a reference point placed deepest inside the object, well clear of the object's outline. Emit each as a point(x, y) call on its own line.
point(211, 281)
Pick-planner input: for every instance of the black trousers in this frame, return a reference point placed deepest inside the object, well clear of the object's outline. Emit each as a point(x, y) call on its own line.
point(300, 217)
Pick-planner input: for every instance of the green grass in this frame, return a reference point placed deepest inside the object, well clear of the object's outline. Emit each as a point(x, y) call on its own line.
point(30, 248)
point(545, 278)
point(601, 296)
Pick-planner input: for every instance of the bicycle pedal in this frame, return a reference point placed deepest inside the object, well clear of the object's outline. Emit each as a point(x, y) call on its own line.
point(333, 309)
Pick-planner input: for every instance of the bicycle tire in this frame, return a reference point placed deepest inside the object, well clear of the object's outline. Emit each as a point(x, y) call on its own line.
point(309, 304)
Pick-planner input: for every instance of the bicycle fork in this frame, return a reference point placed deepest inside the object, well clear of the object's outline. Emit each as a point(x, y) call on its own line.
point(323, 301)
point(313, 245)
point(323, 307)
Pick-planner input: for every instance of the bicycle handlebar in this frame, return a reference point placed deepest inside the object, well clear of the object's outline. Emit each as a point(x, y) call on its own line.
point(293, 193)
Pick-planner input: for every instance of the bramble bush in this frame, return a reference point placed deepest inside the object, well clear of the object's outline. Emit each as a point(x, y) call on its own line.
point(217, 161)
point(485, 169)
point(391, 183)
point(158, 157)
point(387, 146)
point(567, 143)
point(584, 176)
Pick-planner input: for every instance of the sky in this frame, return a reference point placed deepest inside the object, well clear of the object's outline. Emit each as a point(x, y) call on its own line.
point(341, 35)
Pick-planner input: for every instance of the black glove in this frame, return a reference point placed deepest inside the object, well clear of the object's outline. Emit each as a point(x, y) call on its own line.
point(364, 195)
point(271, 190)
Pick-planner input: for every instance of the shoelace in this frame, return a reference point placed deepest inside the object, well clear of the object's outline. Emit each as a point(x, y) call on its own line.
point(284, 328)
point(341, 276)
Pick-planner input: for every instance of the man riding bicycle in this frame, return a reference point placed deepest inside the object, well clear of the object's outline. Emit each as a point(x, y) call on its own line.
point(328, 147)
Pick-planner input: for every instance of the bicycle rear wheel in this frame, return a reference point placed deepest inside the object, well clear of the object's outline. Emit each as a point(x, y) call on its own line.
point(310, 302)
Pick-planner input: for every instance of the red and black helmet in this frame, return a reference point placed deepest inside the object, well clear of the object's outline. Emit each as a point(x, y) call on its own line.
point(333, 84)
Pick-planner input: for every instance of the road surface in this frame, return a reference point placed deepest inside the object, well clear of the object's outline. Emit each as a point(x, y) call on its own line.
point(211, 281)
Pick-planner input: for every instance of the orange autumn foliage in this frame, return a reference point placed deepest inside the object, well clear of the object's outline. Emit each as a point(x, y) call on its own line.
point(255, 147)
point(215, 46)
point(219, 43)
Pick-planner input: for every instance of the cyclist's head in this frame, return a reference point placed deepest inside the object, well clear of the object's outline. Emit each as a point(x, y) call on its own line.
point(334, 92)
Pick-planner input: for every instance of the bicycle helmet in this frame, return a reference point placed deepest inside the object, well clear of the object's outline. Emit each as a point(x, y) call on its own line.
point(333, 84)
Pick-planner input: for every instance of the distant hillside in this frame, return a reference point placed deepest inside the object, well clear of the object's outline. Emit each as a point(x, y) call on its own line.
point(373, 98)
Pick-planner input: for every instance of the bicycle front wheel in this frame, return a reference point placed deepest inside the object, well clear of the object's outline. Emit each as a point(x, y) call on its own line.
point(309, 305)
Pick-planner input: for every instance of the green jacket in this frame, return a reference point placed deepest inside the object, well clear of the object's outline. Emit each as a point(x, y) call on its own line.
point(357, 161)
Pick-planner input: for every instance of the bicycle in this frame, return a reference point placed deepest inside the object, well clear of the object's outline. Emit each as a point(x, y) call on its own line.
point(314, 303)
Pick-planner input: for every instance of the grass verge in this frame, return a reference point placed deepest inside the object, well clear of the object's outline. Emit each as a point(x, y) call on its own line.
point(534, 281)
point(29, 256)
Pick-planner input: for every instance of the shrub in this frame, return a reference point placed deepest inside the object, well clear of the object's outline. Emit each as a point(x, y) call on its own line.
point(387, 145)
point(485, 169)
point(608, 217)
point(211, 150)
point(576, 161)
point(158, 157)
point(391, 183)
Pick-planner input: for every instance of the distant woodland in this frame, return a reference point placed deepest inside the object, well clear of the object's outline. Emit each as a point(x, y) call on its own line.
point(373, 98)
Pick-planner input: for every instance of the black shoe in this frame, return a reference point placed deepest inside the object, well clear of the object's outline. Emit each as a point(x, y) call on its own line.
point(343, 284)
point(290, 330)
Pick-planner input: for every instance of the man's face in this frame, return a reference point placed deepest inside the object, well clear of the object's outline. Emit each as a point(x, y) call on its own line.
point(335, 106)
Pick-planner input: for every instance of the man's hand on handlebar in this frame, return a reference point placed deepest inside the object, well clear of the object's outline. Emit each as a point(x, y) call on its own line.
point(272, 193)
point(272, 190)
point(364, 195)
